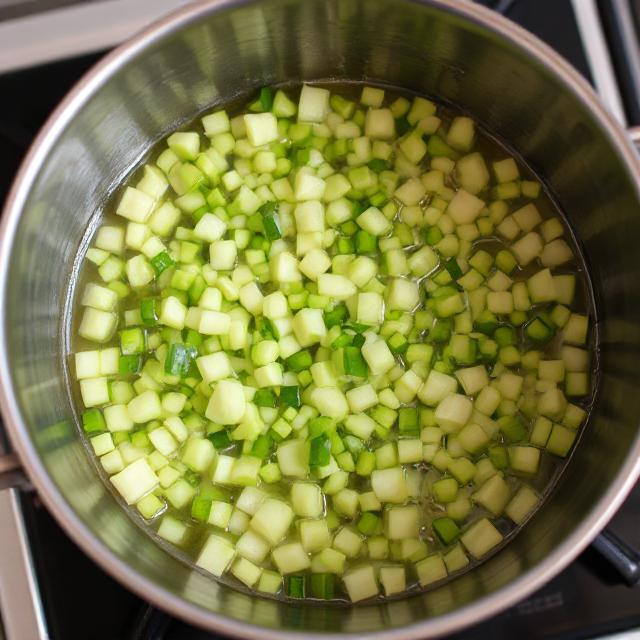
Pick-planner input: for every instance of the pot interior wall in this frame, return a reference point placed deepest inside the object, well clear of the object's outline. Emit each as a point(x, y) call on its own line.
point(225, 53)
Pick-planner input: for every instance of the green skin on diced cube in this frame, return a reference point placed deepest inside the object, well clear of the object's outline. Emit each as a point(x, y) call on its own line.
point(441, 331)
point(200, 508)
point(357, 327)
point(539, 330)
point(290, 396)
point(368, 523)
point(323, 586)
point(408, 421)
point(161, 262)
point(261, 446)
point(365, 242)
point(377, 165)
point(129, 365)
point(343, 340)
point(320, 425)
point(486, 322)
point(353, 362)
point(267, 329)
point(132, 341)
point(505, 336)
point(345, 246)
point(446, 530)
point(357, 341)
point(432, 235)
point(295, 586)
point(498, 456)
point(398, 343)
point(402, 126)
point(271, 226)
point(512, 428)
point(220, 439)
point(148, 312)
point(93, 422)
point(265, 398)
point(335, 317)
point(453, 268)
point(320, 451)
point(299, 361)
point(349, 228)
point(438, 147)
point(180, 360)
point(266, 98)
point(193, 338)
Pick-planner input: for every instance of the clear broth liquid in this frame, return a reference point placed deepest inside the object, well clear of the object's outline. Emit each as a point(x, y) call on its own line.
point(550, 466)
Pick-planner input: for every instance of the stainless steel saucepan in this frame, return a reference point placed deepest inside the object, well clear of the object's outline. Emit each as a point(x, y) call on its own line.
point(209, 53)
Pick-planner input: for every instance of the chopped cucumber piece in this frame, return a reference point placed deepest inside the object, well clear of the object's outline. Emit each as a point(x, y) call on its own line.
point(327, 328)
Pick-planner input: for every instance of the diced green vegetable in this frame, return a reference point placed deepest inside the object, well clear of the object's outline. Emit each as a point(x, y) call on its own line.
point(331, 347)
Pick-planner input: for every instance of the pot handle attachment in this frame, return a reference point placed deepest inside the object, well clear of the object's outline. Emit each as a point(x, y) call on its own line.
point(634, 134)
point(619, 555)
point(11, 474)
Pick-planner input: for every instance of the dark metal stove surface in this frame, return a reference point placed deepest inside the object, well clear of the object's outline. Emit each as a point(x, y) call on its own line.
point(81, 602)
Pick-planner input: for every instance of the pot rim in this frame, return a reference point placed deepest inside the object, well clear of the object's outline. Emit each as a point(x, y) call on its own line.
point(46, 139)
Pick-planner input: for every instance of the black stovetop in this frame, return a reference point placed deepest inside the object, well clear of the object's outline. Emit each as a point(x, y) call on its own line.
point(585, 601)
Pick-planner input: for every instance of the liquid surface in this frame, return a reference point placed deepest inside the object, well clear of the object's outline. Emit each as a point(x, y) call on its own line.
point(332, 345)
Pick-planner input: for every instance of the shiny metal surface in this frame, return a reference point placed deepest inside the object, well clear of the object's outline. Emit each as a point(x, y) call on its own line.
point(600, 64)
point(20, 603)
point(620, 555)
point(516, 86)
point(54, 30)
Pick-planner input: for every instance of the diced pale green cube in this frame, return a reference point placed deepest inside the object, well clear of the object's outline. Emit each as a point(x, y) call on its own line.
point(374, 221)
point(332, 561)
point(390, 485)
point(135, 205)
point(480, 538)
point(227, 404)
point(290, 558)
point(361, 583)
point(216, 555)
point(453, 412)
point(198, 454)
point(261, 128)
point(145, 407)
point(214, 367)
point(270, 582)
point(94, 391)
point(348, 542)
point(135, 480)
point(272, 520)
point(361, 398)
point(522, 504)
point(402, 522)
point(378, 356)
point(220, 514)
point(314, 535)
point(172, 313)
point(223, 254)
point(431, 569)
point(307, 499)
point(102, 444)
point(330, 402)
point(252, 546)
point(293, 458)
point(172, 530)
point(97, 325)
point(163, 441)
